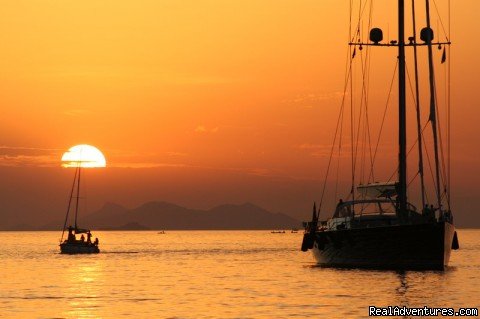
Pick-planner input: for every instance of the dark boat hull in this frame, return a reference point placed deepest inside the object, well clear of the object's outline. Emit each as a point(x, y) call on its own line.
point(78, 248)
point(419, 246)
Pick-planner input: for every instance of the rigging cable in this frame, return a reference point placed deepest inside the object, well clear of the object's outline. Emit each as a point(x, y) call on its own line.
point(349, 76)
point(417, 106)
point(342, 112)
point(446, 168)
point(366, 105)
point(426, 152)
point(420, 135)
point(433, 108)
point(442, 156)
point(339, 155)
point(385, 113)
point(430, 166)
point(69, 204)
point(449, 126)
point(365, 91)
point(441, 21)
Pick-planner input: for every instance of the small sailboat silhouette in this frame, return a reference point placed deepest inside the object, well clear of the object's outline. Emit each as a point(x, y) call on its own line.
point(72, 244)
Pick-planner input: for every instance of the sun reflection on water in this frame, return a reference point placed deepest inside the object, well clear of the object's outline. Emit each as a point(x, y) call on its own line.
point(84, 289)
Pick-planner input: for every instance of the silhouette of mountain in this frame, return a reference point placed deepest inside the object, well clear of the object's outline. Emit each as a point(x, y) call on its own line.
point(105, 216)
point(163, 215)
point(248, 216)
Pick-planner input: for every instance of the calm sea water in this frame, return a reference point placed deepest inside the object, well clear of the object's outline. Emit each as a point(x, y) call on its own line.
point(213, 274)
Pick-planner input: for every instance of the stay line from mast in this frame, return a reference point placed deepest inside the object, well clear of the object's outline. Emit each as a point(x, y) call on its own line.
point(433, 110)
point(417, 105)
point(78, 194)
point(69, 203)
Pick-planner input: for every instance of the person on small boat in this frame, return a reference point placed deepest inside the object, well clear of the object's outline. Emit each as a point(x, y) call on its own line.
point(71, 236)
point(425, 210)
point(96, 242)
point(89, 237)
point(429, 213)
point(432, 211)
point(340, 202)
point(82, 239)
point(449, 216)
point(343, 211)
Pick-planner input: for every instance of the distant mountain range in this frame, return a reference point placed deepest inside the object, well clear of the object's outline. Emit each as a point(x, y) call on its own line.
point(167, 216)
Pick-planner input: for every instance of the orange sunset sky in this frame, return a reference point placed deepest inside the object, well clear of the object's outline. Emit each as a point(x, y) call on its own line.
point(201, 102)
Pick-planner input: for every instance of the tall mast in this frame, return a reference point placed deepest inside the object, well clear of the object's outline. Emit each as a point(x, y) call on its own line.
point(417, 94)
point(433, 111)
point(402, 118)
point(69, 203)
point(78, 193)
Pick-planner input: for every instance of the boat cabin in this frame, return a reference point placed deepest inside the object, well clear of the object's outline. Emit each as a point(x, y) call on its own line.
point(82, 245)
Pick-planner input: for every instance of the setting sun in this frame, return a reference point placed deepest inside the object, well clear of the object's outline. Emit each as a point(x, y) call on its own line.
point(83, 155)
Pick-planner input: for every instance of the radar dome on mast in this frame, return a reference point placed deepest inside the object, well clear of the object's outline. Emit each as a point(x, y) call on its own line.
point(376, 35)
point(426, 35)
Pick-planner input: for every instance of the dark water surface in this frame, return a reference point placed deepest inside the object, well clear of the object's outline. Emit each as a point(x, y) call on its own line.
point(213, 274)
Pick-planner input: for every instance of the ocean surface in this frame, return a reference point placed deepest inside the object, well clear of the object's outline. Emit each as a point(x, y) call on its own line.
point(213, 274)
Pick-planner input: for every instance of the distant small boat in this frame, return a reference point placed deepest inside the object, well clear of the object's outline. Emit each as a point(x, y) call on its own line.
point(161, 232)
point(72, 245)
point(294, 231)
point(278, 232)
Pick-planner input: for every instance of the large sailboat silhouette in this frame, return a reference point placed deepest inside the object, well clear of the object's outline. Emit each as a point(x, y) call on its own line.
point(377, 227)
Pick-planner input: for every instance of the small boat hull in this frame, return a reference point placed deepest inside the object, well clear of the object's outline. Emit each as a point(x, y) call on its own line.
point(78, 248)
point(407, 247)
